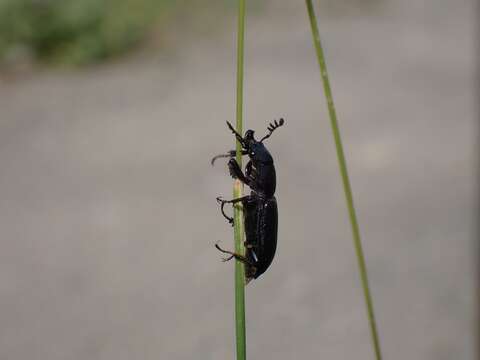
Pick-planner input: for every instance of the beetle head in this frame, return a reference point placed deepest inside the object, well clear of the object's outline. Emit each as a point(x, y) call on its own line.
point(249, 137)
point(249, 140)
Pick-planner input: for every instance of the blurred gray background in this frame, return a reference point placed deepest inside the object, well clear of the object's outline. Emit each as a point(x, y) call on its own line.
point(108, 215)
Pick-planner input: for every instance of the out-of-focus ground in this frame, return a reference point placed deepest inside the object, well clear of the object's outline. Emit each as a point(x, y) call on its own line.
point(108, 215)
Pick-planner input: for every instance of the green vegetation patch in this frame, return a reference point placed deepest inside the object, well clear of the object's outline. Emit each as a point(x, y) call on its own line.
point(75, 31)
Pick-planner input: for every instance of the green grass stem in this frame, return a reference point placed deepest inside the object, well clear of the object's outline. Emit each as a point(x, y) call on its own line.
point(346, 181)
point(239, 231)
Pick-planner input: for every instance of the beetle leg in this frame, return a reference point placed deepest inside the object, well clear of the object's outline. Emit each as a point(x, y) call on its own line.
point(237, 173)
point(234, 255)
point(234, 201)
point(235, 170)
point(223, 202)
point(250, 173)
point(248, 169)
point(237, 135)
point(230, 154)
point(228, 258)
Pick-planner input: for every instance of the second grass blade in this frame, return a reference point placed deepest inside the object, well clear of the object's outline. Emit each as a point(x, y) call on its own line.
point(346, 182)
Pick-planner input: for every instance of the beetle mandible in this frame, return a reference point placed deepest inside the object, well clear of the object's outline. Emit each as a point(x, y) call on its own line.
point(260, 207)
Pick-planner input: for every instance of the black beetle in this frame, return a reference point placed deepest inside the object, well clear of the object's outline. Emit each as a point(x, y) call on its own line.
point(260, 207)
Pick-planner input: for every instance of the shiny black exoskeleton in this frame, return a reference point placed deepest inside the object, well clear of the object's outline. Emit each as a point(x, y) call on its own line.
point(260, 207)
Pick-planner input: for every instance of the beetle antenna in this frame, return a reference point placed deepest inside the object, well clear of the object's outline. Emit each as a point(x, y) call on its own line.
point(271, 128)
point(237, 135)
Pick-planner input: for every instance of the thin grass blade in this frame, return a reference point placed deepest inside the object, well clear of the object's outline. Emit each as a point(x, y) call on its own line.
point(239, 231)
point(346, 182)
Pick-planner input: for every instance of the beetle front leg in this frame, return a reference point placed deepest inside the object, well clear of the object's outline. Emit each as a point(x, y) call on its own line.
point(237, 135)
point(236, 172)
point(230, 154)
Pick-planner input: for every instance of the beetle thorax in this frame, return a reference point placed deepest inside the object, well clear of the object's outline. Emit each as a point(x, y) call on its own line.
point(259, 153)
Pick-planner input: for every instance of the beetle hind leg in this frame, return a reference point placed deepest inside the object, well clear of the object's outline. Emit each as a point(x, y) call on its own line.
point(239, 257)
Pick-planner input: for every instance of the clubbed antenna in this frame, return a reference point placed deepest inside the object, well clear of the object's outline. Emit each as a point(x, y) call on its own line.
point(271, 128)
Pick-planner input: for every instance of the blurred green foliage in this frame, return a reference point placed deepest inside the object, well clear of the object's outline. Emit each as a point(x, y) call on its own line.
point(75, 31)
point(78, 32)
